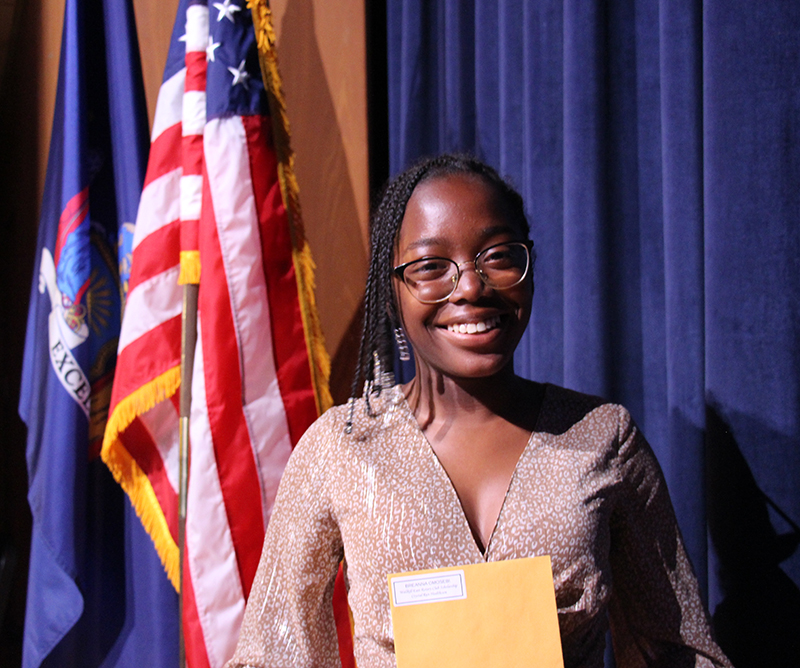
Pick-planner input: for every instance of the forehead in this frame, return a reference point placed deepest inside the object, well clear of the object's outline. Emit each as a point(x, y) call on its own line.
point(454, 208)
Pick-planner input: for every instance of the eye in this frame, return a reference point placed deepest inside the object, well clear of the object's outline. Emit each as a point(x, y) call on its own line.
point(500, 257)
point(427, 269)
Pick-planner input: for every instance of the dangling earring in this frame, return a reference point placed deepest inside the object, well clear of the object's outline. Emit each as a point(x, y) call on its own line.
point(383, 377)
point(402, 344)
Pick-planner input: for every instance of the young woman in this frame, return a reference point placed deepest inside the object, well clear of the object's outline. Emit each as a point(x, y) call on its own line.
point(468, 462)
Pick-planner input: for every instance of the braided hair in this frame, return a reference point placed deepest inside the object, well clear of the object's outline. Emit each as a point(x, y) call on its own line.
point(375, 360)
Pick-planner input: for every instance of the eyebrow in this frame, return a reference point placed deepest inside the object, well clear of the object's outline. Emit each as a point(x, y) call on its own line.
point(433, 241)
point(425, 241)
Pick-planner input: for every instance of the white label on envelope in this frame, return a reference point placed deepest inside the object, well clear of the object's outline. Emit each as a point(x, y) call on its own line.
point(429, 588)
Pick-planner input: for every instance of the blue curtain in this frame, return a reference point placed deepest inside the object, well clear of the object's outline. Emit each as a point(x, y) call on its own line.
point(657, 146)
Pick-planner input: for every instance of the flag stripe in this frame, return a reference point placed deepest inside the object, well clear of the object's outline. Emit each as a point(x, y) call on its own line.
point(291, 354)
point(154, 301)
point(196, 655)
point(161, 421)
point(169, 106)
point(194, 109)
point(148, 357)
point(155, 254)
point(163, 156)
point(239, 478)
point(159, 206)
point(139, 443)
point(196, 72)
point(196, 34)
point(210, 544)
point(193, 150)
point(191, 197)
point(263, 405)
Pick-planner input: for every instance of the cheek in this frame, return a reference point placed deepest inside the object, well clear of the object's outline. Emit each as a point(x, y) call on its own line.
point(521, 297)
point(411, 313)
point(414, 318)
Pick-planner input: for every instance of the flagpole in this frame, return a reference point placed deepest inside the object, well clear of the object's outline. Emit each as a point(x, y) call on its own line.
point(188, 343)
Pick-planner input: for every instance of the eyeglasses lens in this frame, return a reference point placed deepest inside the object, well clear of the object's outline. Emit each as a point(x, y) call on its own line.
point(431, 280)
point(503, 266)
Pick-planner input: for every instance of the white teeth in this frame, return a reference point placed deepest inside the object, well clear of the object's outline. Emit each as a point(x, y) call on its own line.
point(474, 327)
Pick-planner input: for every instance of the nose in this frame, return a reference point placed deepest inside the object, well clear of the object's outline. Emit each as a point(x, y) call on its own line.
point(470, 286)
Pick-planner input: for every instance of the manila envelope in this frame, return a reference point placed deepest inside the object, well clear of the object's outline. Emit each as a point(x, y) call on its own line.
point(495, 614)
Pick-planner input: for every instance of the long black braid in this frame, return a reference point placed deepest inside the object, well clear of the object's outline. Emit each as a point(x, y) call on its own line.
point(376, 352)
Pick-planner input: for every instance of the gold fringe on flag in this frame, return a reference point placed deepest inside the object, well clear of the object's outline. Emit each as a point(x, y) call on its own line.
point(131, 477)
point(301, 254)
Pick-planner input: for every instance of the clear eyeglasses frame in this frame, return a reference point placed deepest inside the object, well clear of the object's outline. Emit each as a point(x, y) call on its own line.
point(434, 279)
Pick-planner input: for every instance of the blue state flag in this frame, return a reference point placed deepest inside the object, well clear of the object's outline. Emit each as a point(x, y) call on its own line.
point(97, 593)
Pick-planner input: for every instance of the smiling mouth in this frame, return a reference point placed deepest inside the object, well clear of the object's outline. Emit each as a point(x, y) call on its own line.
point(474, 327)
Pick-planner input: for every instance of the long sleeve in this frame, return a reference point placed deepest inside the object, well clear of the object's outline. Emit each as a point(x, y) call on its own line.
point(289, 619)
point(656, 614)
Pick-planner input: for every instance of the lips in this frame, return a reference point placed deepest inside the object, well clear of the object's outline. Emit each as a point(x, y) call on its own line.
point(476, 327)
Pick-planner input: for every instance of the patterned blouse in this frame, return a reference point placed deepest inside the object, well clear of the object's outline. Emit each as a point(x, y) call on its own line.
point(587, 490)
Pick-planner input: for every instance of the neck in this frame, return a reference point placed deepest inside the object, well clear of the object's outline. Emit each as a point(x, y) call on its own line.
point(434, 397)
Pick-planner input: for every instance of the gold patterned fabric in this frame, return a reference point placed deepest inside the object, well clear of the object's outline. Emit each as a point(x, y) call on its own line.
point(587, 490)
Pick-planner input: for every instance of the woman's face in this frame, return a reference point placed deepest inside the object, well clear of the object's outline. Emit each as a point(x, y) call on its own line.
point(456, 217)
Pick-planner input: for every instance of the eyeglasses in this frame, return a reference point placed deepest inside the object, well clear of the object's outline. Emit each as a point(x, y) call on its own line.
point(433, 279)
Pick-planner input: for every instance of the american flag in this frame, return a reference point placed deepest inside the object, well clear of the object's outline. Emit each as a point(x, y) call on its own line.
point(212, 211)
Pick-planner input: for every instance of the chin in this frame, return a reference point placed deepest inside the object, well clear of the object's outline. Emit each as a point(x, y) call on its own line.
point(486, 367)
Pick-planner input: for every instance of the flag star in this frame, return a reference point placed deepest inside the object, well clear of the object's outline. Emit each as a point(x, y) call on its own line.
point(226, 10)
point(182, 38)
point(212, 46)
point(240, 75)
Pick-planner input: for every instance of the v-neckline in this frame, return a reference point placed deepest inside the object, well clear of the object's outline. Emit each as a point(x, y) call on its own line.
point(473, 536)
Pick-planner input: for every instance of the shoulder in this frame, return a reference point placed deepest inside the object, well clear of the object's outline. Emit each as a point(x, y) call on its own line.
point(562, 409)
point(583, 422)
point(602, 431)
point(328, 453)
point(330, 434)
point(325, 426)
point(321, 440)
